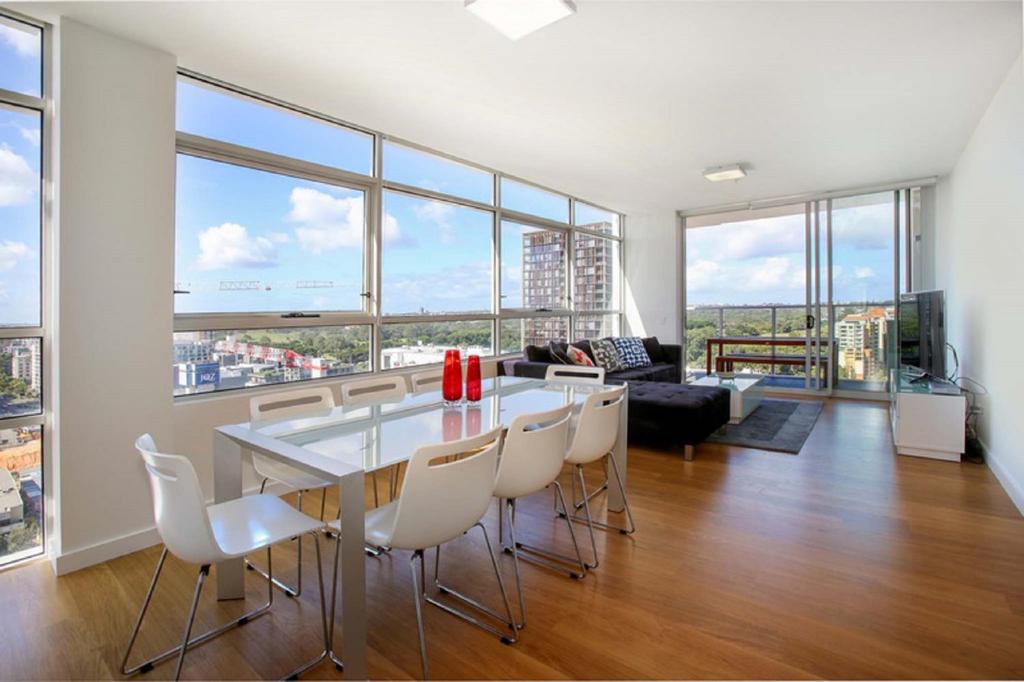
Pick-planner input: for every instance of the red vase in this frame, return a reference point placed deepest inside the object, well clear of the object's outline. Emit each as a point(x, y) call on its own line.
point(473, 388)
point(451, 380)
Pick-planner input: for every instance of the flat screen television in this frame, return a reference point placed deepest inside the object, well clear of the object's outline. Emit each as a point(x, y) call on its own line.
point(922, 332)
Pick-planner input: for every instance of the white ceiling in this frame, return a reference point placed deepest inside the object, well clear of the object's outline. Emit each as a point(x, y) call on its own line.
point(626, 102)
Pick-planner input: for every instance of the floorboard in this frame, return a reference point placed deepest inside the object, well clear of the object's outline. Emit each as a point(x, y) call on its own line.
point(844, 561)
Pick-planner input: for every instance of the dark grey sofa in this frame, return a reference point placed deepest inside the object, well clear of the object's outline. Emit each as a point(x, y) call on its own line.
point(667, 359)
point(662, 411)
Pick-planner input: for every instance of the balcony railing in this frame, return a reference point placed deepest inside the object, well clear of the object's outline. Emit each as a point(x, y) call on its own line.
point(859, 334)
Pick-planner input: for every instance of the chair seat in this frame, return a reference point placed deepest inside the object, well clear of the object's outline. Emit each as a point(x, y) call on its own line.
point(379, 523)
point(250, 523)
point(296, 479)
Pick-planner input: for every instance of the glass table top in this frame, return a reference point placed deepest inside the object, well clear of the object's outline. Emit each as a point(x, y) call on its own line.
point(377, 436)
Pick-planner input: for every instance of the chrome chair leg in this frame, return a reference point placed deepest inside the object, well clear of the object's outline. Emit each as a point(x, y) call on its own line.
point(294, 675)
point(195, 641)
point(204, 571)
point(509, 506)
point(288, 590)
point(625, 499)
point(472, 603)
point(419, 593)
point(545, 557)
point(591, 495)
point(589, 519)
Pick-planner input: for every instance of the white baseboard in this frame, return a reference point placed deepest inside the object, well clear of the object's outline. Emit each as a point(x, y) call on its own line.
point(84, 557)
point(1012, 486)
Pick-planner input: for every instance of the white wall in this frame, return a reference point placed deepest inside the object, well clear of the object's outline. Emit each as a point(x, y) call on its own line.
point(979, 262)
point(653, 270)
point(115, 216)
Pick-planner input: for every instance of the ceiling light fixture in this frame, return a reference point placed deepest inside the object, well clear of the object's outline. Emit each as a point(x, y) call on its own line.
point(721, 173)
point(517, 18)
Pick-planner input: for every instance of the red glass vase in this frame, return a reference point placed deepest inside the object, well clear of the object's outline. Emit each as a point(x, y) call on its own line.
point(473, 388)
point(451, 380)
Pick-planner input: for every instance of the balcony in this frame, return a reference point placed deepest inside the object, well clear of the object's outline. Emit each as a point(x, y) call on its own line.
point(859, 342)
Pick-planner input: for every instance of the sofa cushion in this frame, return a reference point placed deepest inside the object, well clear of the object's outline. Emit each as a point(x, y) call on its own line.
point(606, 355)
point(631, 352)
point(654, 350)
point(559, 352)
point(584, 345)
point(578, 357)
point(538, 354)
point(661, 371)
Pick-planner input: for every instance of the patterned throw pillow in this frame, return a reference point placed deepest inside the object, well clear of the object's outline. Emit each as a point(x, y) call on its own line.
point(559, 354)
point(632, 352)
point(578, 357)
point(606, 355)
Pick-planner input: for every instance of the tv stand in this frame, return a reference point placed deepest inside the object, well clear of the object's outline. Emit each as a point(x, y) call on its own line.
point(928, 416)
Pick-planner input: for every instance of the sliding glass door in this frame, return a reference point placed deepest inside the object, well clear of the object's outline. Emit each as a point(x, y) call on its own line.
point(801, 293)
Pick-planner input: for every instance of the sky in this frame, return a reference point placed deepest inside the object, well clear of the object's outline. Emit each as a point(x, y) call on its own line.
point(297, 245)
point(761, 261)
point(20, 133)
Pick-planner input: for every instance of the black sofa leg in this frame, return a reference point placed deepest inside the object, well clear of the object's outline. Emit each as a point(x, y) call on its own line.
point(688, 452)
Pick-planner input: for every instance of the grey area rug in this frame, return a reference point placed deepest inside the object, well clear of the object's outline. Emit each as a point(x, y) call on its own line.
point(780, 425)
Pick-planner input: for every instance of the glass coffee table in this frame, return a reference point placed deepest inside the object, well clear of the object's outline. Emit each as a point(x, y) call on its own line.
point(745, 393)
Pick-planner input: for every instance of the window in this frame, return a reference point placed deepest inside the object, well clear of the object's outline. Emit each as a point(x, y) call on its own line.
point(20, 216)
point(435, 173)
point(437, 257)
point(219, 114)
point(23, 362)
point(222, 360)
point(534, 263)
point(424, 343)
point(596, 326)
point(21, 57)
point(597, 273)
point(595, 219)
point(524, 198)
point(250, 241)
point(518, 333)
point(293, 262)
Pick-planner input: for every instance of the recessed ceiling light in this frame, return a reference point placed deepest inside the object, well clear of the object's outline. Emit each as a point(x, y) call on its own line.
point(720, 173)
point(517, 18)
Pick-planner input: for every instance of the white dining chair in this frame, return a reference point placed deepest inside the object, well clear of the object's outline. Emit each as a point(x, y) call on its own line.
point(441, 500)
point(426, 381)
point(201, 534)
point(375, 391)
point(575, 374)
point(596, 432)
point(532, 455)
point(275, 407)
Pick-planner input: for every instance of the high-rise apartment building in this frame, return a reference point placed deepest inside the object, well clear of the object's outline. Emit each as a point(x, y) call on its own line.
point(26, 364)
point(545, 263)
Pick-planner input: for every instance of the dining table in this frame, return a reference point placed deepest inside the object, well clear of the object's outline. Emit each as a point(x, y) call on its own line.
point(343, 444)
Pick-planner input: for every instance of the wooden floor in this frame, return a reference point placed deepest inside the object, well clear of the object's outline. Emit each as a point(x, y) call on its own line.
point(842, 562)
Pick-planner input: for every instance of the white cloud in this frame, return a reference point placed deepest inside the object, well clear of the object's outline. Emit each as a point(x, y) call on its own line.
point(230, 246)
point(11, 253)
point(393, 234)
point(702, 275)
point(864, 273)
point(25, 43)
point(18, 182)
point(279, 237)
point(463, 288)
point(774, 272)
point(32, 135)
point(440, 214)
point(326, 222)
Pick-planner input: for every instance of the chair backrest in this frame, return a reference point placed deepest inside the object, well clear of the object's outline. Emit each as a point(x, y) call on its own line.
point(426, 381)
point(575, 374)
point(178, 505)
point(441, 500)
point(533, 452)
point(287, 404)
point(597, 427)
point(489, 368)
point(373, 390)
